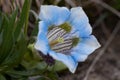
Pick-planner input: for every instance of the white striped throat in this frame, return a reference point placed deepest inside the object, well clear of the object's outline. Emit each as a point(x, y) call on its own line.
point(61, 40)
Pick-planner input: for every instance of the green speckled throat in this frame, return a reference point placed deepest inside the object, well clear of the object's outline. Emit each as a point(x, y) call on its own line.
point(60, 39)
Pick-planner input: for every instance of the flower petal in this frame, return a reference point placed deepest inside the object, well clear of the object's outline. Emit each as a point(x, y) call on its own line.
point(54, 15)
point(42, 41)
point(79, 56)
point(66, 59)
point(85, 47)
point(79, 20)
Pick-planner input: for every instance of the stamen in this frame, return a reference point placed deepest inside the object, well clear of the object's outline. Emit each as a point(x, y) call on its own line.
point(75, 41)
point(58, 40)
point(63, 47)
point(66, 27)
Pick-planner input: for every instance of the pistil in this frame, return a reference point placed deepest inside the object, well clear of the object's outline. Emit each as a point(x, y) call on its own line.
point(58, 40)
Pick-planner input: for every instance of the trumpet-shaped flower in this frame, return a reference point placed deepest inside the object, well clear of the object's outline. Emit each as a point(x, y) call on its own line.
point(65, 35)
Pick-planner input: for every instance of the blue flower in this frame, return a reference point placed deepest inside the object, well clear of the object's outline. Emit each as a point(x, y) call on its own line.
point(65, 35)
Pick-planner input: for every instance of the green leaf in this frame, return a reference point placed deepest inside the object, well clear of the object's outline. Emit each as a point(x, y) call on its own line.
point(17, 52)
point(23, 78)
point(2, 77)
point(35, 65)
point(41, 78)
point(59, 66)
point(4, 32)
point(117, 5)
point(52, 75)
point(1, 21)
point(1, 38)
point(23, 20)
point(25, 73)
point(8, 35)
point(15, 43)
point(20, 46)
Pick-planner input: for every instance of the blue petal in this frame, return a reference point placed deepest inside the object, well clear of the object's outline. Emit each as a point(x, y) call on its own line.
point(66, 59)
point(54, 14)
point(79, 20)
point(42, 41)
point(80, 57)
point(85, 47)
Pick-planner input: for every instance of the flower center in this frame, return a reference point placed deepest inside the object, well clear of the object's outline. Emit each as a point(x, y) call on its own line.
point(58, 40)
point(61, 39)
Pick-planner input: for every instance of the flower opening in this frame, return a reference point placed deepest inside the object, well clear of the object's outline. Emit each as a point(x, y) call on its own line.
point(61, 40)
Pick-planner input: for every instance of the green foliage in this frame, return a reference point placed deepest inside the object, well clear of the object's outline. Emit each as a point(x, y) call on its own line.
point(13, 38)
point(59, 66)
point(117, 5)
point(2, 77)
